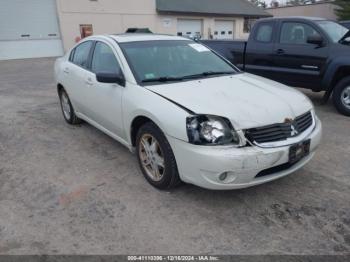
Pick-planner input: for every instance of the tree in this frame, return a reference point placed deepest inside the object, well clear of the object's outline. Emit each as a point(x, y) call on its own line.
point(275, 4)
point(297, 2)
point(343, 12)
point(300, 2)
point(259, 3)
point(255, 2)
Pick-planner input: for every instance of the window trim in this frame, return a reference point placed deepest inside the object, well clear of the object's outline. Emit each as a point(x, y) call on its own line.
point(71, 56)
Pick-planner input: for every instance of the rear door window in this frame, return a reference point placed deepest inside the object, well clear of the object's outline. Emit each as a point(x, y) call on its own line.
point(81, 54)
point(264, 32)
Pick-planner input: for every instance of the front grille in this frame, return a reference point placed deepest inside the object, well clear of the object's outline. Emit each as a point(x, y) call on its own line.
point(274, 170)
point(280, 132)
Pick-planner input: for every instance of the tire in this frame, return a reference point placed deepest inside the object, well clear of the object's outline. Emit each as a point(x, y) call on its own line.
point(169, 173)
point(341, 96)
point(67, 109)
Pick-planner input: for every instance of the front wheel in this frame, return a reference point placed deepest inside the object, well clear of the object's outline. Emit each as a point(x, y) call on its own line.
point(341, 96)
point(156, 158)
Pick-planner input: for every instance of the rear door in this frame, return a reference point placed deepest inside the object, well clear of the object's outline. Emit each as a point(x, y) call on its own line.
point(75, 71)
point(259, 58)
point(298, 63)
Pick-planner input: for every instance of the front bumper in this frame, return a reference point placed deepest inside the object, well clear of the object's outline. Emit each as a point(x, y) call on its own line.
point(203, 165)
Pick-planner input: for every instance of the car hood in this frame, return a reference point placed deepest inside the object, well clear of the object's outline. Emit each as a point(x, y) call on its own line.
point(246, 100)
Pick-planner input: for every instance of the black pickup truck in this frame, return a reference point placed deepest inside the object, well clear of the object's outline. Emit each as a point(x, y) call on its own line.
point(345, 23)
point(298, 51)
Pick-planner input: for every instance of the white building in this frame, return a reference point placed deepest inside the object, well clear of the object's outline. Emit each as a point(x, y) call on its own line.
point(43, 28)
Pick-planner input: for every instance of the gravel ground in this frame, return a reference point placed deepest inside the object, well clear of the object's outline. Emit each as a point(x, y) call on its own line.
point(74, 190)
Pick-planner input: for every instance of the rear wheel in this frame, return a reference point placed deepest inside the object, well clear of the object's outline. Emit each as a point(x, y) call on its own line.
point(341, 96)
point(156, 158)
point(67, 109)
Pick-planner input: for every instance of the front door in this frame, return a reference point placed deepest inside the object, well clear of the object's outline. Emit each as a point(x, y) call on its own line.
point(298, 63)
point(105, 100)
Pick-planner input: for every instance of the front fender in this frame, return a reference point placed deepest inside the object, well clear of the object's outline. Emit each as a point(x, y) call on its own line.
point(169, 117)
point(332, 69)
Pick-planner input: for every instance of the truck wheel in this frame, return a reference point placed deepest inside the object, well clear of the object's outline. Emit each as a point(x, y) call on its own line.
point(156, 158)
point(341, 96)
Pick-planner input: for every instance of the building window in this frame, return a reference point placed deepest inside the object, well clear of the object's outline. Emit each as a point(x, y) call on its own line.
point(248, 23)
point(86, 30)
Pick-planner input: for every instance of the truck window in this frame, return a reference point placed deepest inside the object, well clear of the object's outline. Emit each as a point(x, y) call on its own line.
point(264, 32)
point(296, 33)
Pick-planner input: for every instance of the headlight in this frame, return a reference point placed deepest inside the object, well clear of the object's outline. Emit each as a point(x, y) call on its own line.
point(211, 130)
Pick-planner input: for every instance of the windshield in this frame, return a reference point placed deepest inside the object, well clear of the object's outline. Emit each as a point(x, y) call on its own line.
point(165, 61)
point(334, 30)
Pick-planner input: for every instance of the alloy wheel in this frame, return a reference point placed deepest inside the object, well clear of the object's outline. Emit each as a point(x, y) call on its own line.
point(65, 105)
point(152, 157)
point(345, 97)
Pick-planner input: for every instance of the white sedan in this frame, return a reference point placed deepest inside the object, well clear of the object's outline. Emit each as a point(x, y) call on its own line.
point(188, 113)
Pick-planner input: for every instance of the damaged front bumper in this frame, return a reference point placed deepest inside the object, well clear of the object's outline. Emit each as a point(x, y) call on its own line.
point(223, 168)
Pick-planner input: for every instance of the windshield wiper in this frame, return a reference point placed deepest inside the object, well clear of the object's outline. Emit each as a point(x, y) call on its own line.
point(181, 78)
point(209, 73)
point(163, 79)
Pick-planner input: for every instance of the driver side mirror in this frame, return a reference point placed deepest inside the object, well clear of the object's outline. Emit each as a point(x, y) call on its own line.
point(315, 40)
point(111, 78)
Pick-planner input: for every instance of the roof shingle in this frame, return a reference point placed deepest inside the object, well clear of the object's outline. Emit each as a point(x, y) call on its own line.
point(218, 7)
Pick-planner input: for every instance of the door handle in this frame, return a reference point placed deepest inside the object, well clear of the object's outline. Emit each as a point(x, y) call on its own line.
point(280, 51)
point(66, 70)
point(89, 82)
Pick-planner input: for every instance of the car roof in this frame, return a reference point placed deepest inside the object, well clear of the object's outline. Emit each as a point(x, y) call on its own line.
point(311, 18)
point(135, 37)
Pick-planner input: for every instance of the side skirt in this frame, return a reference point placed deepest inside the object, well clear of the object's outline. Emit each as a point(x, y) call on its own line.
point(106, 131)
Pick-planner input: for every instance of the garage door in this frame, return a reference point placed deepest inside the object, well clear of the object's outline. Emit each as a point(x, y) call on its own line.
point(29, 28)
point(224, 30)
point(189, 27)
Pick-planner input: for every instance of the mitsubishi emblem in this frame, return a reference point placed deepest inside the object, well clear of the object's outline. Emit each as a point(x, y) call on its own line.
point(294, 131)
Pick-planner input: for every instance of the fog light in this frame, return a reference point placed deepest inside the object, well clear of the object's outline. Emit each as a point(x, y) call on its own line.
point(223, 176)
